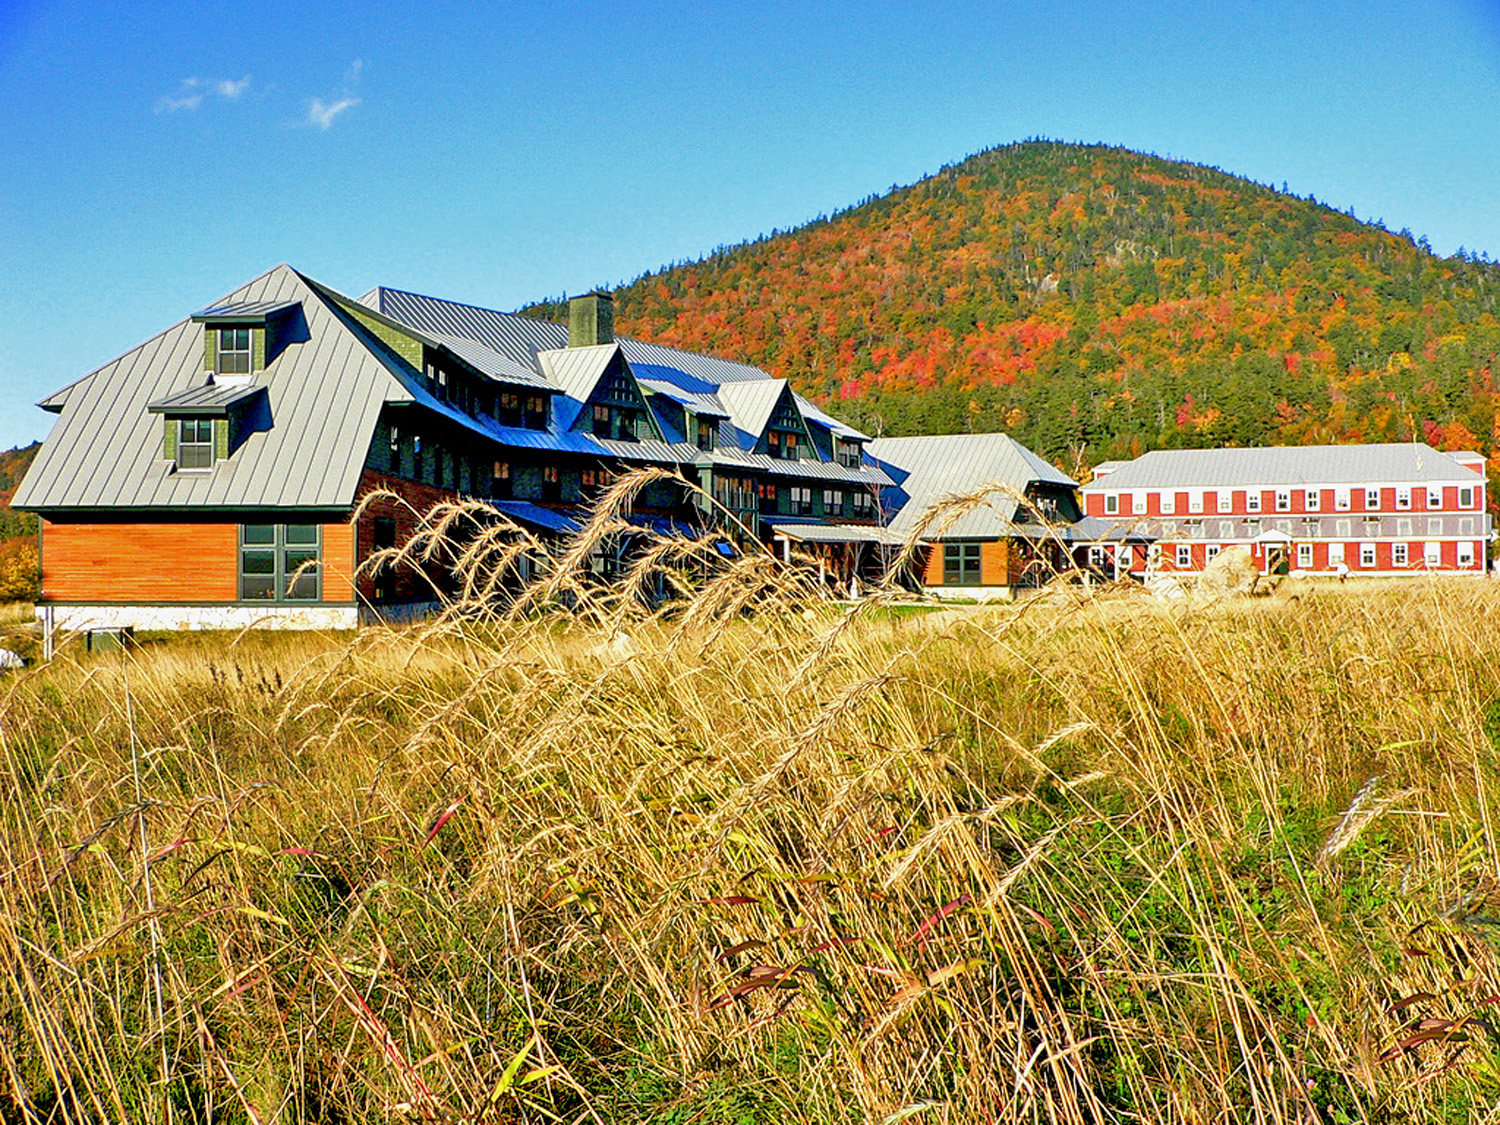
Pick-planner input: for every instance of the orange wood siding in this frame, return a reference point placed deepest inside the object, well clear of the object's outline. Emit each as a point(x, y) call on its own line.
point(140, 562)
point(994, 563)
point(933, 571)
point(338, 562)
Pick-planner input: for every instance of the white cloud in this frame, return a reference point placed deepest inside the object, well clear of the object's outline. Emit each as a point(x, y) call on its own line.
point(191, 92)
point(321, 113)
point(189, 95)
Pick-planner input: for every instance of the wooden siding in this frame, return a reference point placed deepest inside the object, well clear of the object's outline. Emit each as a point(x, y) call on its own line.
point(1327, 502)
point(140, 562)
point(994, 563)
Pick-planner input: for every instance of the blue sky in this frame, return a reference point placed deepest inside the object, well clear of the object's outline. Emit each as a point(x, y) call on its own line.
point(154, 156)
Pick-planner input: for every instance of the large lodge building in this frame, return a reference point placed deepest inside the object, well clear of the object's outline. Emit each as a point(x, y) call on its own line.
point(221, 473)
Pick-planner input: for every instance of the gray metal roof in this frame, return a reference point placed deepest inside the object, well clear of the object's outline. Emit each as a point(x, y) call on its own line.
point(491, 363)
point(708, 405)
point(929, 471)
point(243, 312)
point(750, 403)
point(1294, 466)
point(323, 397)
point(207, 398)
point(812, 413)
point(833, 532)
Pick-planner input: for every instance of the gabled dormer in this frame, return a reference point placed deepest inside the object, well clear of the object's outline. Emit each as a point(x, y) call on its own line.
point(594, 373)
point(766, 410)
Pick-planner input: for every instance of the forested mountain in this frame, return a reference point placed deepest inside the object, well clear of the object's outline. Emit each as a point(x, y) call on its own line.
point(13, 466)
point(1097, 302)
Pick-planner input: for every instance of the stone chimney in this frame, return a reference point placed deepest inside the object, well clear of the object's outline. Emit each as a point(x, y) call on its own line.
point(591, 319)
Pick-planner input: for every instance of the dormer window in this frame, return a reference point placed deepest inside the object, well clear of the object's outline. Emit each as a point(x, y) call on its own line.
point(781, 444)
point(234, 351)
point(195, 444)
point(706, 432)
point(847, 453)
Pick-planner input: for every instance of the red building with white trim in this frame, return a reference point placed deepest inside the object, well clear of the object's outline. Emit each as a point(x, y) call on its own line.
point(1377, 510)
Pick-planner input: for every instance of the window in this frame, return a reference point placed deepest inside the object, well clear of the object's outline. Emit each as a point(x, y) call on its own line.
point(1111, 503)
point(1212, 551)
point(706, 432)
point(1184, 556)
point(195, 443)
point(416, 456)
point(1335, 554)
point(591, 482)
point(1466, 525)
point(1435, 525)
point(1372, 499)
point(833, 502)
point(1466, 497)
point(1226, 501)
point(534, 412)
point(1096, 556)
point(847, 453)
point(1398, 554)
point(280, 562)
point(1226, 529)
point(1432, 555)
point(1343, 528)
point(1304, 556)
point(1283, 499)
point(234, 351)
point(1403, 498)
point(1312, 500)
point(1404, 527)
point(1138, 503)
point(864, 505)
point(1367, 556)
point(551, 483)
point(500, 480)
point(395, 446)
point(781, 444)
point(1342, 500)
point(601, 420)
point(770, 501)
point(1168, 503)
point(960, 564)
point(1252, 501)
point(802, 502)
point(1195, 501)
point(1466, 555)
point(508, 408)
point(383, 533)
point(1434, 498)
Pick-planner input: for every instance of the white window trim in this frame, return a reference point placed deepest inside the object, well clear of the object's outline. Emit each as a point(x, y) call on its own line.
point(1226, 501)
point(1111, 503)
point(1312, 499)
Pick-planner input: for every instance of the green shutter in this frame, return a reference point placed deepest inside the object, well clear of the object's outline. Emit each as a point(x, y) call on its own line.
point(221, 439)
point(210, 348)
point(257, 349)
point(169, 439)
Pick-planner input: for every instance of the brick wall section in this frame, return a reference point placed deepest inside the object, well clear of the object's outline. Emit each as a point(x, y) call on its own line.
point(406, 584)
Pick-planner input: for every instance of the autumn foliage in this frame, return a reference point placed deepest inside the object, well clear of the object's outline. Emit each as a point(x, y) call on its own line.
point(1097, 302)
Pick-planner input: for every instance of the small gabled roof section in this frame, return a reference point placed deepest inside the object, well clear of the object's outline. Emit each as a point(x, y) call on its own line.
point(577, 370)
point(243, 312)
point(931, 470)
point(491, 364)
point(751, 403)
point(207, 398)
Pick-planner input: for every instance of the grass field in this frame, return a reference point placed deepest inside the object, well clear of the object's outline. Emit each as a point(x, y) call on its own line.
point(1076, 860)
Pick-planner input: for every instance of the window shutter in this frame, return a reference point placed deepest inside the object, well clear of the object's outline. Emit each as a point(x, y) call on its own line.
point(169, 438)
point(221, 439)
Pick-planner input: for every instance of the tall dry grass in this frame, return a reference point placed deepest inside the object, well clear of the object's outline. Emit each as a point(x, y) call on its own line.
point(752, 857)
